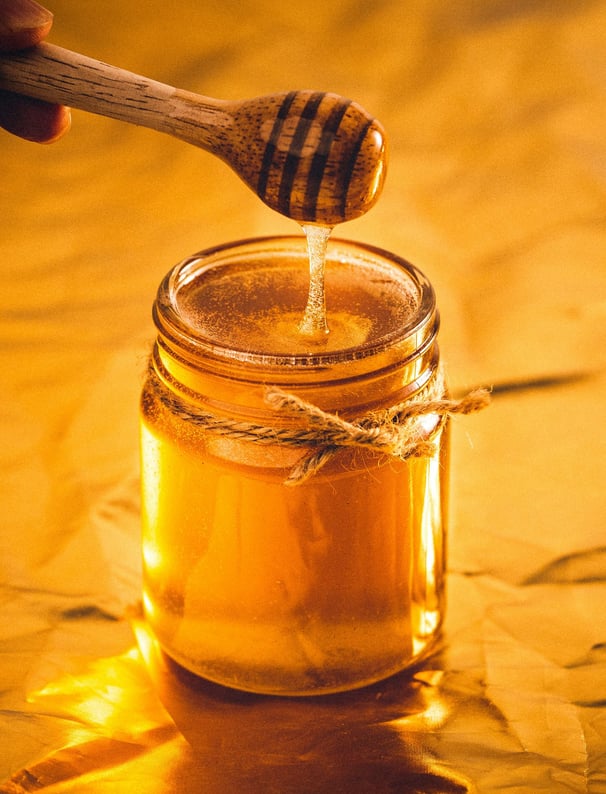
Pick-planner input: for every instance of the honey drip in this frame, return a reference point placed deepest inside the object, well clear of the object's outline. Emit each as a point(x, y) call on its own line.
point(314, 325)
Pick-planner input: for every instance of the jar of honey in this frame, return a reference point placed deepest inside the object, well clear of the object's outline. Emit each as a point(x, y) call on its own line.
point(294, 498)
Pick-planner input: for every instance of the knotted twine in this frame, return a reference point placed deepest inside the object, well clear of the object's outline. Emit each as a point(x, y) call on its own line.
point(395, 431)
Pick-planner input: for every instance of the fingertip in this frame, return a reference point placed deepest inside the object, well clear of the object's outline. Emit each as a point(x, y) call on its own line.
point(60, 124)
point(23, 23)
point(33, 119)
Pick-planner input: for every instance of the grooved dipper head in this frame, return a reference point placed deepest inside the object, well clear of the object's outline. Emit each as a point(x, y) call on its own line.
point(314, 157)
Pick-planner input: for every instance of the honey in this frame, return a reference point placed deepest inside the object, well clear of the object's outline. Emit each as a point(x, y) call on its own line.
point(251, 581)
point(314, 323)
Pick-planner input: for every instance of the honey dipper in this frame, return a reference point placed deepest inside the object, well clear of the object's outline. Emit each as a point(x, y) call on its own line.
point(312, 156)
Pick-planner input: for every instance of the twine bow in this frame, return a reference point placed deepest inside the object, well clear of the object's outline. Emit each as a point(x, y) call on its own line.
point(393, 431)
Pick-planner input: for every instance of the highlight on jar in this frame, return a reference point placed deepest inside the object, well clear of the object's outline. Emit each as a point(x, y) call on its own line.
point(295, 480)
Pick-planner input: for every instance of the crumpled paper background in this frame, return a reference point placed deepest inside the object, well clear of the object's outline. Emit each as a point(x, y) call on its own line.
point(497, 191)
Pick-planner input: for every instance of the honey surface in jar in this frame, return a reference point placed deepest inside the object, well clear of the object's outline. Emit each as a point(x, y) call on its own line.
point(322, 586)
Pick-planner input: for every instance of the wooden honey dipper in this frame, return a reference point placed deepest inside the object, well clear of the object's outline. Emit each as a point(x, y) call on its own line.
point(314, 157)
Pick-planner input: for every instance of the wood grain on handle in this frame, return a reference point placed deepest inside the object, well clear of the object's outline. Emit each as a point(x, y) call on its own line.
point(61, 76)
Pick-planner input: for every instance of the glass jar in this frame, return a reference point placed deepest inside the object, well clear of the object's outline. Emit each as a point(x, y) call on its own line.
point(293, 521)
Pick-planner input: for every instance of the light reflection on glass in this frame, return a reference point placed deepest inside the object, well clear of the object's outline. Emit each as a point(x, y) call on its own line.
point(429, 530)
point(151, 556)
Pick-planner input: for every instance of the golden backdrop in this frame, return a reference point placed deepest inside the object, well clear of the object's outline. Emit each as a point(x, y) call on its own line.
point(497, 190)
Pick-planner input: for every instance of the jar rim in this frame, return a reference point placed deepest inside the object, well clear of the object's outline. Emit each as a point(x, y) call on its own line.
point(172, 322)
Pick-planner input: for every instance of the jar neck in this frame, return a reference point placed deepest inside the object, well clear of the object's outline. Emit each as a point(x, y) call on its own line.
point(350, 396)
point(387, 368)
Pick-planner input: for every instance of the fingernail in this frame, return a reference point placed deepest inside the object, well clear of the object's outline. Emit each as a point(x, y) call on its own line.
point(24, 15)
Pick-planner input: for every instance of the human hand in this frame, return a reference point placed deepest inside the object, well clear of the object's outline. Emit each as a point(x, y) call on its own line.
point(24, 23)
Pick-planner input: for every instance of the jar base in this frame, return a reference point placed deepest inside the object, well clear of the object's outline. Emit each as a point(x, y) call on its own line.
point(299, 680)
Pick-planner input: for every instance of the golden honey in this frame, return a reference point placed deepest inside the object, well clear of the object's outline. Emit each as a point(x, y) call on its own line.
point(254, 582)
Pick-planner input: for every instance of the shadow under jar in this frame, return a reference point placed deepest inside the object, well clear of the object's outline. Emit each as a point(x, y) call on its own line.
point(256, 582)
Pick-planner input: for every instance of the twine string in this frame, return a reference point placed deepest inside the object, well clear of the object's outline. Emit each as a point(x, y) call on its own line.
point(395, 431)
